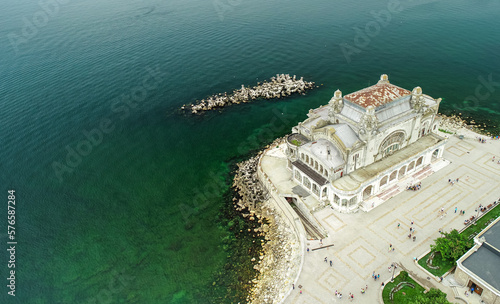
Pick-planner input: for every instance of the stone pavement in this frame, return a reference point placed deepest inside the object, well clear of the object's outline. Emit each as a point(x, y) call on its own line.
point(361, 240)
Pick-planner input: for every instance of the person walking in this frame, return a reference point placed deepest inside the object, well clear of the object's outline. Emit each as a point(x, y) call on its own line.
point(455, 209)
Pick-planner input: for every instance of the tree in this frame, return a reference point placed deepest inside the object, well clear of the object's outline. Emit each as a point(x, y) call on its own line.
point(452, 245)
point(434, 296)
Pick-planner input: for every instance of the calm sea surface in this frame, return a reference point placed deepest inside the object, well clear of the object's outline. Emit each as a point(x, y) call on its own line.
point(120, 198)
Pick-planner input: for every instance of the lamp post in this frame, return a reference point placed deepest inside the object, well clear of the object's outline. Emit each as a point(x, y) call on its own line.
point(477, 214)
point(393, 271)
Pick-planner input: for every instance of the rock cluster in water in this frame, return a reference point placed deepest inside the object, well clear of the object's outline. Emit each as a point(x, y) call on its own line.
point(279, 260)
point(280, 86)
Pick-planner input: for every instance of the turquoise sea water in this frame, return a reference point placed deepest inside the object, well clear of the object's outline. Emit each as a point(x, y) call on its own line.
point(140, 217)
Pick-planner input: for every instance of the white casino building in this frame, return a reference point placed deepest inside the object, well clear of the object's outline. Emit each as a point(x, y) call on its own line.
point(360, 144)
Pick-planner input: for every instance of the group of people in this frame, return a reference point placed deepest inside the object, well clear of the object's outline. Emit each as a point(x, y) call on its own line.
point(452, 182)
point(414, 187)
point(412, 232)
point(351, 296)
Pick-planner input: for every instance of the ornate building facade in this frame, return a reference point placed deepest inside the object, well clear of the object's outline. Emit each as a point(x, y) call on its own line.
point(360, 144)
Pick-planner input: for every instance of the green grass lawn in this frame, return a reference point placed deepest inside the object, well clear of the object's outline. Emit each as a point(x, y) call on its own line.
point(445, 266)
point(410, 293)
point(482, 222)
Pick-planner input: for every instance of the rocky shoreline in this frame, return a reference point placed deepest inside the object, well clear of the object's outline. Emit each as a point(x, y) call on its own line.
point(282, 85)
point(275, 272)
point(453, 123)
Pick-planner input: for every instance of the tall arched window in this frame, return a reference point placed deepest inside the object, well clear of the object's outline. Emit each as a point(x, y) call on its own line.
point(392, 143)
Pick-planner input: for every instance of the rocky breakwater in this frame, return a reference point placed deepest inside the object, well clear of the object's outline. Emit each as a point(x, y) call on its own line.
point(279, 261)
point(454, 123)
point(282, 85)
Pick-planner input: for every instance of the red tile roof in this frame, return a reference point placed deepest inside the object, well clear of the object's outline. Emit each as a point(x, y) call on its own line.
point(377, 95)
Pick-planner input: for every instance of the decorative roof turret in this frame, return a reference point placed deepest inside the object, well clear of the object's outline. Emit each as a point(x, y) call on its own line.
point(336, 102)
point(369, 122)
point(384, 79)
point(417, 99)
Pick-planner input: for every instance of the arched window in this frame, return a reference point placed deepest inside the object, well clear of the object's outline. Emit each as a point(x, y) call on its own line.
point(419, 160)
point(306, 182)
point(384, 181)
point(392, 143)
point(402, 172)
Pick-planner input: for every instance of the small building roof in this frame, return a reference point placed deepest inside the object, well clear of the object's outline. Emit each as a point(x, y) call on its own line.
point(492, 235)
point(377, 95)
point(485, 261)
point(324, 151)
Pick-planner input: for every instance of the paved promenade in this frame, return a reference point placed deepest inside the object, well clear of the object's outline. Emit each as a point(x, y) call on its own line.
point(362, 240)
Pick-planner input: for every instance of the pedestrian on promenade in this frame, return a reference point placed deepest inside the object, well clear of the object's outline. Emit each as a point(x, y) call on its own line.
point(412, 222)
point(366, 287)
point(326, 260)
point(330, 263)
point(390, 268)
point(456, 209)
point(301, 291)
point(414, 238)
point(293, 286)
point(382, 284)
point(307, 249)
point(373, 274)
point(399, 224)
point(378, 276)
